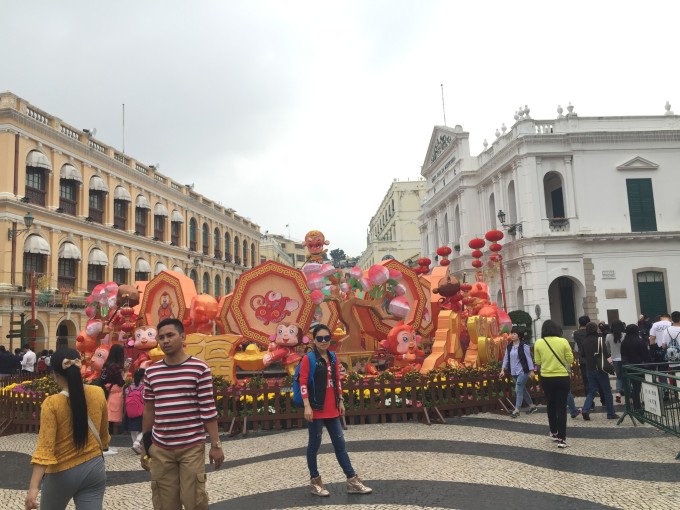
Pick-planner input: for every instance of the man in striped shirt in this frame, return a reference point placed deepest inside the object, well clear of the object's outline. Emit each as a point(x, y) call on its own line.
point(179, 408)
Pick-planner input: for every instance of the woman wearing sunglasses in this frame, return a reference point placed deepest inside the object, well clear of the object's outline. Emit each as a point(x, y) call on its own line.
point(322, 396)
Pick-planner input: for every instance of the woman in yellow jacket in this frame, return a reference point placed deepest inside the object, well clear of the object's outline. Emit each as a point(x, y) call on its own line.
point(74, 428)
point(554, 355)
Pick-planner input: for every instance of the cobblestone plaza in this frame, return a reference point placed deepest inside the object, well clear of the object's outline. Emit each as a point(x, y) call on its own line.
point(483, 461)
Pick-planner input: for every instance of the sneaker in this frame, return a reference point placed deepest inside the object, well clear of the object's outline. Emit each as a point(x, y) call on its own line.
point(317, 487)
point(561, 443)
point(554, 436)
point(586, 416)
point(137, 448)
point(613, 417)
point(532, 410)
point(109, 452)
point(514, 414)
point(576, 413)
point(356, 486)
point(618, 399)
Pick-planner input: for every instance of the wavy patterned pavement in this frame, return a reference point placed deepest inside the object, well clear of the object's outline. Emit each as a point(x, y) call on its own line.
point(478, 462)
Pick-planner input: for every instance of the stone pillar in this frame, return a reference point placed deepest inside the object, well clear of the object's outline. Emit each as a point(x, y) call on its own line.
point(590, 299)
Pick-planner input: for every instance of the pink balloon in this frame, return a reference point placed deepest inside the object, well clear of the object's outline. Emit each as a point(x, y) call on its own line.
point(317, 297)
point(312, 267)
point(395, 274)
point(89, 311)
point(399, 289)
point(315, 281)
point(344, 287)
point(365, 284)
point(399, 307)
point(94, 327)
point(378, 274)
point(356, 272)
point(327, 270)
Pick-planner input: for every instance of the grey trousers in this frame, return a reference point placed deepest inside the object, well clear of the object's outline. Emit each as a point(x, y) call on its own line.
point(84, 484)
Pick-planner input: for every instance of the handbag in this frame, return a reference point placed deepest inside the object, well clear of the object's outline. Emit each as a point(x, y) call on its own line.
point(601, 362)
point(567, 367)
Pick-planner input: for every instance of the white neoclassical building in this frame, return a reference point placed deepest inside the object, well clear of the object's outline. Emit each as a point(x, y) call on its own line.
point(394, 228)
point(591, 209)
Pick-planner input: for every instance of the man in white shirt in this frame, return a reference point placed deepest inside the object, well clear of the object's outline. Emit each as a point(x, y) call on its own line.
point(28, 361)
point(671, 337)
point(656, 337)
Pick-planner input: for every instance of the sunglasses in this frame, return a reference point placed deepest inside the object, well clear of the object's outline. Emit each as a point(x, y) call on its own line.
point(320, 338)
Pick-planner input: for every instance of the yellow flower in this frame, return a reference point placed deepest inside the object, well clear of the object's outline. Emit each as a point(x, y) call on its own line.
point(397, 390)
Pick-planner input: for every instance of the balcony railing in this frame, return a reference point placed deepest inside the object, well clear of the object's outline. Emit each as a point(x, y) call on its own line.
point(174, 240)
point(120, 222)
point(35, 196)
point(140, 229)
point(192, 245)
point(97, 215)
point(558, 224)
point(67, 206)
point(159, 235)
point(218, 254)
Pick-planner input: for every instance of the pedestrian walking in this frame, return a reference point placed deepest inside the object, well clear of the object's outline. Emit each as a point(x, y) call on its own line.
point(517, 361)
point(68, 460)
point(28, 360)
point(596, 377)
point(322, 397)
point(179, 408)
point(554, 356)
point(113, 379)
point(134, 409)
point(613, 341)
point(634, 351)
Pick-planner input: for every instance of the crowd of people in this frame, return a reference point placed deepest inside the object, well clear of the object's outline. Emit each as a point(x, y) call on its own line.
point(171, 407)
point(595, 346)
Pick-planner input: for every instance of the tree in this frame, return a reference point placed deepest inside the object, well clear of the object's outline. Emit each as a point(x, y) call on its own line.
point(337, 255)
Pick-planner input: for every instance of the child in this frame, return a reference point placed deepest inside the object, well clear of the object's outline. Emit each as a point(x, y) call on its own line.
point(135, 422)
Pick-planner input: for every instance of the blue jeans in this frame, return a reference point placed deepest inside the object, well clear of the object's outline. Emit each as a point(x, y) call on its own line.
point(619, 377)
point(599, 379)
point(334, 427)
point(521, 392)
point(571, 404)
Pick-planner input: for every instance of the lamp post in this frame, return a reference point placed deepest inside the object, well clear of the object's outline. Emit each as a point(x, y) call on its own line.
point(511, 228)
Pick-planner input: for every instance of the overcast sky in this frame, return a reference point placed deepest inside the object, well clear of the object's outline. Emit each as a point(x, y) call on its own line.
point(303, 113)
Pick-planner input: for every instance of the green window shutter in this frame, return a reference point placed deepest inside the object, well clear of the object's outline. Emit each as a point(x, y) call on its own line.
point(641, 205)
point(557, 203)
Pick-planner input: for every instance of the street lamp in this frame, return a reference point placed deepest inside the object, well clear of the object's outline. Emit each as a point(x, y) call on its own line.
point(13, 232)
point(511, 228)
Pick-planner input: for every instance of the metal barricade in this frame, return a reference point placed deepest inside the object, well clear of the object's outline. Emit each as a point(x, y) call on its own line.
point(652, 395)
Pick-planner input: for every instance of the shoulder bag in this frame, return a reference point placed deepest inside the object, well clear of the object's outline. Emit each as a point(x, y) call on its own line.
point(567, 367)
point(601, 361)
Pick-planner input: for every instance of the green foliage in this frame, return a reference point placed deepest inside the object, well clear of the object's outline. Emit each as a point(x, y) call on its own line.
point(523, 321)
point(337, 255)
point(257, 381)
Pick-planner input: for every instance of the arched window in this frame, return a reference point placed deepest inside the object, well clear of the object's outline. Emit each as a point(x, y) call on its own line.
point(160, 216)
point(245, 252)
point(193, 234)
point(37, 170)
point(446, 229)
point(520, 298)
point(206, 283)
point(69, 180)
point(217, 243)
point(36, 251)
point(252, 254)
point(206, 236)
point(456, 225)
point(218, 286)
point(512, 203)
point(69, 257)
point(227, 247)
point(237, 257)
point(227, 285)
point(492, 211)
point(554, 197)
point(194, 276)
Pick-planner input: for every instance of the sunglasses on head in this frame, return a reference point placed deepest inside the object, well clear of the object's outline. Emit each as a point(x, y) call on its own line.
point(323, 338)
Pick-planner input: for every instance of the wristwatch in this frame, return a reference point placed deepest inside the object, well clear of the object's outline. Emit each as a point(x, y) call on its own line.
point(218, 444)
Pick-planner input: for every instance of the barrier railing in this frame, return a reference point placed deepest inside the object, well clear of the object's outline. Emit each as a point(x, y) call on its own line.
point(652, 395)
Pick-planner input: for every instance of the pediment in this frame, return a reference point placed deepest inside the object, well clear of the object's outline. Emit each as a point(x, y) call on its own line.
point(443, 138)
point(638, 163)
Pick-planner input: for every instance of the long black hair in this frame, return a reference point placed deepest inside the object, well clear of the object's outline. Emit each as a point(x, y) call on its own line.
point(617, 329)
point(116, 355)
point(76, 393)
point(632, 333)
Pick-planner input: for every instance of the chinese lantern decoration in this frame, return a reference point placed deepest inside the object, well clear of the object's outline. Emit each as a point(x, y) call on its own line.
point(494, 236)
point(444, 252)
point(477, 254)
point(424, 264)
point(477, 263)
point(477, 243)
point(495, 247)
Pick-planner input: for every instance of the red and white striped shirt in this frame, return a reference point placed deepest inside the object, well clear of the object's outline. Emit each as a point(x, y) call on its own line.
point(183, 401)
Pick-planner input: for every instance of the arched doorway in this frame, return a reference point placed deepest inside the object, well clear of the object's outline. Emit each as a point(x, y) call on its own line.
point(35, 335)
point(566, 301)
point(67, 332)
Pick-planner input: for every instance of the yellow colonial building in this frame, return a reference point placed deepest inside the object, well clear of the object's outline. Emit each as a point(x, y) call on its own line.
point(79, 212)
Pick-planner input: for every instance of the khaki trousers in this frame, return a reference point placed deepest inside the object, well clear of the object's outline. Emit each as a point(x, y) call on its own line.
point(178, 478)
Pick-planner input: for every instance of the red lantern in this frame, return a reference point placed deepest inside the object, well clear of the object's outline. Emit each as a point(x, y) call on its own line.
point(494, 257)
point(424, 261)
point(494, 236)
point(477, 254)
point(444, 262)
point(477, 263)
point(443, 251)
point(495, 247)
point(476, 243)
point(466, 287)
point(490, 264)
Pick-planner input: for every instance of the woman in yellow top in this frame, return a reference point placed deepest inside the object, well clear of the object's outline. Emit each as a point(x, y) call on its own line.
point(554, 355)
point(68, 454)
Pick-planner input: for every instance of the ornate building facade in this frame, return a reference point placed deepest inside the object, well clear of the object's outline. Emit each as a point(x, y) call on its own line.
point(97, 215)
point(588, 204)
point(394, 228)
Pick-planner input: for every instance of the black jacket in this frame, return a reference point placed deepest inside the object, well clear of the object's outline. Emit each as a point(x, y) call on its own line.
point(634, 351)
point(9, 363)
point(579, 335)
point(590, 347)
